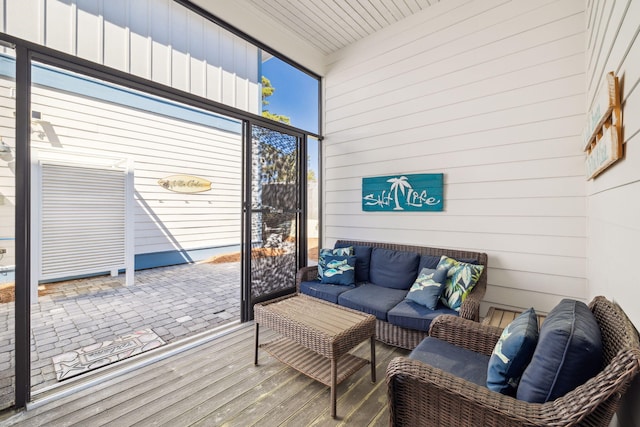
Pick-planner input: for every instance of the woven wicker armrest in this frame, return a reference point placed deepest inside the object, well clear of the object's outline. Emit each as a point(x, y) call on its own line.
point(306, 274)
point(465, 333)
point(420, 393)
point(470, 308)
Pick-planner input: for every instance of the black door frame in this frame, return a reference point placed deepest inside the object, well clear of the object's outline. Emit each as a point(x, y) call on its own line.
point(246, 312)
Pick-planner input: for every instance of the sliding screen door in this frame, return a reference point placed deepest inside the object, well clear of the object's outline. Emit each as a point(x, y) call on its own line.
point(272, 214)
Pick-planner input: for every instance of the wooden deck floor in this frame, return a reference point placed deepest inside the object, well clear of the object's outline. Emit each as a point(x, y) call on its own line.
point(216, 384)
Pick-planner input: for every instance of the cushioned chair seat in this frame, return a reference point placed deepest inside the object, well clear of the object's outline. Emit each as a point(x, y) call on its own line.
point(458, 361)
point(323, 291)
point(372, 299)
point(408, 314)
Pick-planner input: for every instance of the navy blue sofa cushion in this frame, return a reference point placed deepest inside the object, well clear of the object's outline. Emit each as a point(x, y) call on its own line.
point(372, 299)
point(408, 314)
point(363, 260)
point(512, 353)
point(428, 261)
point(393, 269)
point(458, 361)
point(323, 291)
point(569, 352)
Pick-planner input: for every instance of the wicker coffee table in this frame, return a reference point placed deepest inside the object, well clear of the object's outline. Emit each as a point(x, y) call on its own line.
point(316, 338)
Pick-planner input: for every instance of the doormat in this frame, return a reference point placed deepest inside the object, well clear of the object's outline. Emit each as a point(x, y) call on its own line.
point(94, 356)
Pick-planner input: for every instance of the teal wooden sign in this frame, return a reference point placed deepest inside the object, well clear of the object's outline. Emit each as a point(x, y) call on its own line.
point(415, 192)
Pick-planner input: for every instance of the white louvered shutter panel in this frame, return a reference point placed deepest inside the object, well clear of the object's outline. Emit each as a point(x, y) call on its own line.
point(83, 220)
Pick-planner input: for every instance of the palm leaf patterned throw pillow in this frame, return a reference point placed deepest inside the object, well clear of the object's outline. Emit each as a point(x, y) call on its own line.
point(461, 278)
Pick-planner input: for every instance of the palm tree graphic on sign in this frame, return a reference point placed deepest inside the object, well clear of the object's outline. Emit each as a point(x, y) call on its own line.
point(399, 183)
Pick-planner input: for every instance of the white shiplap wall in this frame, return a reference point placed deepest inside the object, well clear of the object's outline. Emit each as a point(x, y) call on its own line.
point(491, 93)
point(159, 146)
point(614, 196)
point(158, 40)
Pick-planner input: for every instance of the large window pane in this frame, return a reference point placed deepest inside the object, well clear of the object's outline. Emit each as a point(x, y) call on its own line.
point(7, 230)
point(313, 200)
point(136, 225)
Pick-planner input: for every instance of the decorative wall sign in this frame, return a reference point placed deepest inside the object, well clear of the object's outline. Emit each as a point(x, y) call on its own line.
point(185, 184)
point(607, 100)
point(603, 132)
point(415, 192)
point(606, 150)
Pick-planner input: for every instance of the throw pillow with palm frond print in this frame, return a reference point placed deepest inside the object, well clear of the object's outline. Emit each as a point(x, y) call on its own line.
point(461, 278)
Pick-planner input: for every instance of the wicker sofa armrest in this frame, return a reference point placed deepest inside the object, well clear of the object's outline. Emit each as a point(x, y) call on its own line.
point(420, 394)
point(465, 333)
point(306, 274)
point(470, 308)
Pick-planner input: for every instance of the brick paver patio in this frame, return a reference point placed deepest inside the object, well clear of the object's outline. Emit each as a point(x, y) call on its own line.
point(176, 302)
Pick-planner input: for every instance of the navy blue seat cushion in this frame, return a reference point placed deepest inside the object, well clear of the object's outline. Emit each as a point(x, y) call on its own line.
point(410, 315)
point(372, 299)
point(569, 352)
point(323, 291)
point(512, 353)
point(363, 260)
point(393, 269)
point(458, 361)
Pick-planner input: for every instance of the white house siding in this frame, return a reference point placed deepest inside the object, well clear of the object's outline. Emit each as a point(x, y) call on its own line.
point(160, 146)
point(158, 40)
point(490, 93)
point(613, 197)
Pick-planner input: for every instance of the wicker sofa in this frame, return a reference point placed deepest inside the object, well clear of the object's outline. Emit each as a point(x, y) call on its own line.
point(422, 395)
point(391, 333)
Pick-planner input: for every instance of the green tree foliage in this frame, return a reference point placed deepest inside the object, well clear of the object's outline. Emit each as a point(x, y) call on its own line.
point(278, 159)
point(267, 91)
point(277, 166)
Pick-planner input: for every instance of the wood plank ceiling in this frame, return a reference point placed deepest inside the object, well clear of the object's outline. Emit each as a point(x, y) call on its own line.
point(330, 25)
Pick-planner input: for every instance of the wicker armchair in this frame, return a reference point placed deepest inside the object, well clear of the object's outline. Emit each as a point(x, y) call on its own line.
point(420, 395)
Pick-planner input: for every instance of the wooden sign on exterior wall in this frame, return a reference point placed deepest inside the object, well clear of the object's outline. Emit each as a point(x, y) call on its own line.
point(603, 133)
point(185, 184)
point(415, 192)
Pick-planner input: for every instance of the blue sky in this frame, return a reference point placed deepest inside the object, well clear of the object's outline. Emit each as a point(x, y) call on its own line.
point(295, 96)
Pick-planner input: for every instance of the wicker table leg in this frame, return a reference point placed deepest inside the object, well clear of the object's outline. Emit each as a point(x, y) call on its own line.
point(255, 356)
point(334, 374)
point(373, 359)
